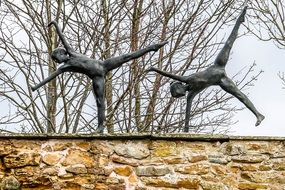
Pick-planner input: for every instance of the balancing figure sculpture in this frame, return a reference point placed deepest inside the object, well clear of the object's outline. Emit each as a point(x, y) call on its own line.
point(213, 75)
point(96, 70)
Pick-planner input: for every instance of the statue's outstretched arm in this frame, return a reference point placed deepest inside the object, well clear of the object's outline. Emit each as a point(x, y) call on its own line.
point(170, 75)
point(46, 80)
point(115, 62)
point(61, 37)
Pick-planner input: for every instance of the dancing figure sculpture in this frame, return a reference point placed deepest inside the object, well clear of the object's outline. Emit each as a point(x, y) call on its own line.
point(213, 75)
point(96, 70)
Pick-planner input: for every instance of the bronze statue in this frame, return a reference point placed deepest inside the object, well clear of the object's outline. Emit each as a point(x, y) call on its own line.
point(213, 75)
point(94, 69)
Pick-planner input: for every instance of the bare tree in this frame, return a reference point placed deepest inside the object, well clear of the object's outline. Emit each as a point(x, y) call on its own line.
point(268, 23)
point(103, 29)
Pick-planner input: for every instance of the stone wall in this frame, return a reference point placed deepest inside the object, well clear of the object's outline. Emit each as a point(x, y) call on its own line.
point(142, 162)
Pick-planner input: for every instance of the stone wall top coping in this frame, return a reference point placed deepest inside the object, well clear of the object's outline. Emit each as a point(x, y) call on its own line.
point(135, 136)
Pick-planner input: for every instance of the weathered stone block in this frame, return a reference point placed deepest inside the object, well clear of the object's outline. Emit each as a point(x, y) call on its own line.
point(210, 178)
point(30, 145)
point(22, 159)
point(75, 156)
point(26, 172)
point(164, 149)
point(197, 158)
point(101, 186)
point(65, 175)
point(6, 147)
point(219, 159)
point(117, 187)
point(123, 160)
point(260, 147)
point(102, 147)
point(152, 170)
point(174, 160)
point(158, 182)
point(262, 177)
point(233, 149)
point(50, 171)
point(52, 159)
point(76, 169)
point(194, 146)
point(278, 164)
point(252, 186)
point(10, 183)
point(114, 180)
point(133, 179)
point(219, 170)
point(87, 186)
point(248, 167)
point(213, 186)
point(152, 161)
point(61, 145)
point(140, 188)
point(84, 179)
point(83, 145)
point(132, 150)
point(250, 158)
point(188, 183)
point(277, 178)
point(265, 167)
point(256, 177)
point(194, 169)
point(123, 170)
point(32, 176)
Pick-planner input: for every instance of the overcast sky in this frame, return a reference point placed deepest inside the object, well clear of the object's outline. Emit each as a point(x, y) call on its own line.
point(267, 95)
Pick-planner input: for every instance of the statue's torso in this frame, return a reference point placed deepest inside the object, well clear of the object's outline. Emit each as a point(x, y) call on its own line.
point(85, 65)
point(210, 76)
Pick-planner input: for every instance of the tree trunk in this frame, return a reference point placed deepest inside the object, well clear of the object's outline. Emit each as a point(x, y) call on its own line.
point(51, 91)
point(157, 83)
point(134, 66)
point(106, 55)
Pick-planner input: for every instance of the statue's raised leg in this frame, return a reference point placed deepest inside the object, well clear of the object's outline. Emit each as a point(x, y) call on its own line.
point(224, 54)
point(229, 86)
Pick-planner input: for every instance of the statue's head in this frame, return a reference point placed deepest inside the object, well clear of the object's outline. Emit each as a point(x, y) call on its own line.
point(59, 55)
point(178, 89)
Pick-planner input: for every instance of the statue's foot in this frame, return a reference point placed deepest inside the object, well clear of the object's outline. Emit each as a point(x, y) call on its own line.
point(186, 129)
point(100, 130)
point(156, 47)
point(241, 17)
point(260, 118)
